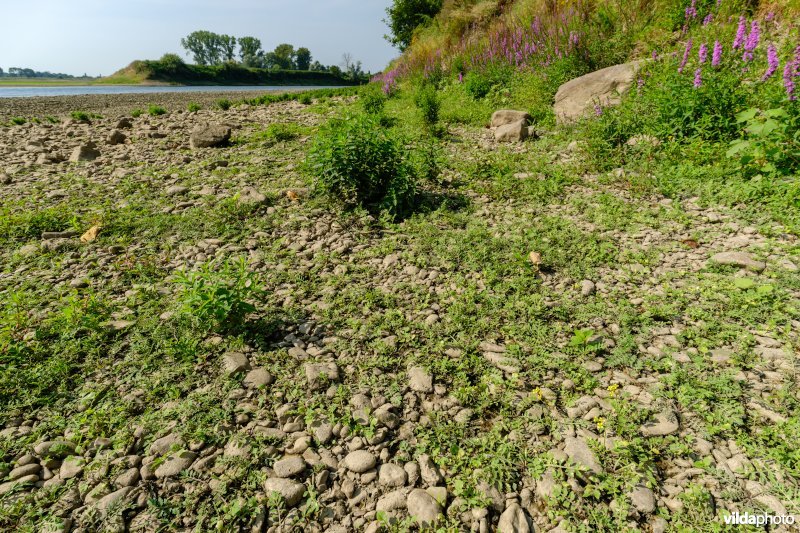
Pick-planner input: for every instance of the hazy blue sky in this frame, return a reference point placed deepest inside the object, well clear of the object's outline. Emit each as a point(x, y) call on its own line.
point(102, 36)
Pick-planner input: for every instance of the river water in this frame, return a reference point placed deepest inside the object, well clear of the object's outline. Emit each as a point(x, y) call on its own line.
point(17, 92)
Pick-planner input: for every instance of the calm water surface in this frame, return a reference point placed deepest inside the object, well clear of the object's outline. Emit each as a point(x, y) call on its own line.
point(16, 92)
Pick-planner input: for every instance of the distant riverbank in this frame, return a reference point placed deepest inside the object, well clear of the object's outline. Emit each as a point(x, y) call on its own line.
point(99, 89)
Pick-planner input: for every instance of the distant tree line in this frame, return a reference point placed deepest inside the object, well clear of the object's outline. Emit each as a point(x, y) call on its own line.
point(209, 48)
point(16, 72)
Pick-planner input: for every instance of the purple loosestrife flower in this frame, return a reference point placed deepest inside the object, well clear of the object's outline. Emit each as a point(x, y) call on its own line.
point(740, 33)
point(716, 57)
point(655, 55)
point(708, 19)
point(698, 78)
point(598, 110)
point(788, 82)
point(772, 61)
point(685, 55)
point(703, 53)
point(752, 42)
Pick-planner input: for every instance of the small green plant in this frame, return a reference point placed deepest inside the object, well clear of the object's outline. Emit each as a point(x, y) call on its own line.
point(80, 116)
point(373, 100)
point(156, 110)
point(224, 104)
point(771, 144)
point(18, 121)
point(194, 107)
point(219, 296)
point(305, 99)
point(136, 113)
point(358, 162)
point(428, 102)
point(51, 119)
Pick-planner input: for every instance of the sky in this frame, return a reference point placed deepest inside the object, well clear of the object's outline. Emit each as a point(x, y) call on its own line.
point(99, 37)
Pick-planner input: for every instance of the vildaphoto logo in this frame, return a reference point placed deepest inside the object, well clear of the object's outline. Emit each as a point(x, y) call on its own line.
point(747, 519)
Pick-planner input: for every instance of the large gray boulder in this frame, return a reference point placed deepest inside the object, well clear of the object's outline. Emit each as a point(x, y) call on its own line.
point(604, 87)
point(209, 136)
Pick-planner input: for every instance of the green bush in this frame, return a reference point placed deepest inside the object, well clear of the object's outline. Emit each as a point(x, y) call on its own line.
point(224, 104)
point(428, 102)
point(136, 113)
point(305, 99)
point(772, 141)
point(356, 161)
point(155, 111)
point(373, 100)
point(18, 121)
point(219, 296)
point(194, 107)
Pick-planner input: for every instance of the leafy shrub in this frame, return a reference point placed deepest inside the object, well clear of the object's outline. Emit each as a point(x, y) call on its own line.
point(224, 104)
point(427, 100)
point(772, 141)
point(155, 111)
point(80, 116)
point(373, 100)
point(136, 113)
point(358, 162)
point(275, 133)
point(219, 296)
point(305, 100)
point(18, 121)
point(194, 107)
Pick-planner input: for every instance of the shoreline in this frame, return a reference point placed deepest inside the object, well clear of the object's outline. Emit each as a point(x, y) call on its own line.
point(117, 105)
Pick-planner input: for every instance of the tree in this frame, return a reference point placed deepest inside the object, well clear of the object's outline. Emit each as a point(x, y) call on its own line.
point(206, 47)
point(317, 67)
point(171, 63)
point(250, 52)
point(283, 56)
point(405, 16)
point(302, 59)
point(227, 46)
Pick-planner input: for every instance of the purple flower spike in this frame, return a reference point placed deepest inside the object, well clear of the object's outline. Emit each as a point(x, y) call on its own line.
point(716, 57)
point(740, 33)
point(708, 19)
point(788, 81)
point(698, 78)
point(685, 55)
point(703, 53)
point(598, 110)
point(772, 61)
point(753, 38)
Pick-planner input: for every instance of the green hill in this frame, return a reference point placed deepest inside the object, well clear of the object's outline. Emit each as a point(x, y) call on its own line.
point(160, 72)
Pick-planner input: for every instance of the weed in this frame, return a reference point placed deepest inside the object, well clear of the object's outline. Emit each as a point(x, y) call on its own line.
point(156, 110)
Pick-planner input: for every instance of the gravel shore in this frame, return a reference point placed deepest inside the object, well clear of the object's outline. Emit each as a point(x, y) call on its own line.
point(113, 105)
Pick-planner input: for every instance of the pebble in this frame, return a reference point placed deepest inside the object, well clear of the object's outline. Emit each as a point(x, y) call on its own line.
point(360, 461)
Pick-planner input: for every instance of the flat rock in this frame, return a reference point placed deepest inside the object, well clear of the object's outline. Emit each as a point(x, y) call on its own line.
point(643, 500)
point(258, 377)
point(738, 259)
point(423, 507)
point(84, 152)
point(251, 196)
point(319, 375)
point(289, 466)
point(392, 501)
point(392, 475)
point(166, 443)
point(360, 461)
point(514, 132)
point(234, 362)
point(291, 491)
point(504, 117)
point(54, 449)
point(209, 136)
point(110, 501)
point(514, 520)
point(72, 467)
point(664, 423)
point(604, 87)
point(175, 464)
point(420, 380)
point(579, 452)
